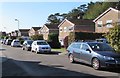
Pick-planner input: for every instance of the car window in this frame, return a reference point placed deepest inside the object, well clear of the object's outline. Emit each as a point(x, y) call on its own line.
point(100, 47)
point(84, 47)
point(16, 41)
point(29, 42)
point(42, 43)
point(76, 46)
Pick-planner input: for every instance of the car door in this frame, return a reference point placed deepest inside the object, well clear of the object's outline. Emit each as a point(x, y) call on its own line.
point(76, 51)
point(85, 55)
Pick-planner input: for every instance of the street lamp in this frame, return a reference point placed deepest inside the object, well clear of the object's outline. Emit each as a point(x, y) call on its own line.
point(18, 23)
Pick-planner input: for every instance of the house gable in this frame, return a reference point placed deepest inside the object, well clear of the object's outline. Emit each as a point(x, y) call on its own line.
point(108, 10)
point(106, 20)
point(66, 22)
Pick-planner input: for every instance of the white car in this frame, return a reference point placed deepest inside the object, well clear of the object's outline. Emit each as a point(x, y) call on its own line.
point(40, 46)
point(15, 43)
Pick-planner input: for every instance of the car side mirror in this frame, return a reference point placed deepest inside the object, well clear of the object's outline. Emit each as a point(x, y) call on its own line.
point(88, 50)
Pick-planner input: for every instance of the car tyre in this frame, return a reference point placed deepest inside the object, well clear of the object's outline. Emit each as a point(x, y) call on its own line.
point(36, 51)
point(23, 48)
point(71, 58)
point(96, 64)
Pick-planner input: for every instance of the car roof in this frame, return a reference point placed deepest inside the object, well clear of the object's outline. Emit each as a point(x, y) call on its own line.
point(40, 40)
point(86, 42)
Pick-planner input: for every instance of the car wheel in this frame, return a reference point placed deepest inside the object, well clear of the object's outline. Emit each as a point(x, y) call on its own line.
point(23, 48)
point(96, 64)
point(36, 51)
point(71, 58)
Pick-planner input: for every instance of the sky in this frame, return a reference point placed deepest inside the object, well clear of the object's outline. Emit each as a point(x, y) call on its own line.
point(32, 13)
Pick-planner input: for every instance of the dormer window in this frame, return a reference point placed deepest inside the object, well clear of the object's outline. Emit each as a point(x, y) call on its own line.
point(99, 24)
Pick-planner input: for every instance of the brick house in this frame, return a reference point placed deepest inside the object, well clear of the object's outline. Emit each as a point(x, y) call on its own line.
point(47, 29)
point(34, 31)
point(106, 20)
point(23, 32)
point(78, 25)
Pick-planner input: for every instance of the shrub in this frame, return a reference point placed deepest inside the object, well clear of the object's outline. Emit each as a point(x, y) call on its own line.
point(53, 40)
point(114, 37)
point(37, 37)
point(75, 36)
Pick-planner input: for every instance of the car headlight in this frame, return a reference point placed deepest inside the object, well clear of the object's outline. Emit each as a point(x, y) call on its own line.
point(108, 58)
point(28, 45)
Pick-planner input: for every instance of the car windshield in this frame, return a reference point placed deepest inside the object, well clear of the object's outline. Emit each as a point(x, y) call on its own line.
point(16, 41)
point(30, 42)
point(100, 47)
point(42, 43)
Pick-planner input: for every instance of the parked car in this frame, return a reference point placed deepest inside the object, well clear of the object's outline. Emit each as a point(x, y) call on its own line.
point(103, 40)
point(41, 46)
point(15, 43)
point(97, 54)
point(8, 42)
point(27, 45)
point(2, 40)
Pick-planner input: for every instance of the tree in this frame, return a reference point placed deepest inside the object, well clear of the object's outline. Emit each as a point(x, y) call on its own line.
point(55, 18)
point(95, 9)
point(114, 37)
point(77, 13)
point(53, 40)
point(37, 37)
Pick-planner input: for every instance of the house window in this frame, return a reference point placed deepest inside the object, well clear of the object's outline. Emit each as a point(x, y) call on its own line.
point(60, 29)
point(71, 28)
point(47, 31)
point(109, 23)
point(99, 24)
point(65, 29)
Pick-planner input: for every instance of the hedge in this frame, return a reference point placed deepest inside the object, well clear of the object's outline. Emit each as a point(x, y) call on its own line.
point(37, 37)
point(73, 36)
point(53, 40)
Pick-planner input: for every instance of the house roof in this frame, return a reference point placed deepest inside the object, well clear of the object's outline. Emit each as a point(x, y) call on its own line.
point(52, 26)
point(36, 28)
point(24, 30)
point(85, 28)
point(109, 9)
point(79, 22)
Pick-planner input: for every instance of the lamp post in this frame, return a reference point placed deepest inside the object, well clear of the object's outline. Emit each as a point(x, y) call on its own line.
point(18, 23)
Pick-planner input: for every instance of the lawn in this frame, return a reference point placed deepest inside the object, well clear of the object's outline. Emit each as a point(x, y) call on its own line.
point(60, 50)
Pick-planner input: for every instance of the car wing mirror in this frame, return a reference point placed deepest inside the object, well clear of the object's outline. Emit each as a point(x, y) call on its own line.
point(88, 50)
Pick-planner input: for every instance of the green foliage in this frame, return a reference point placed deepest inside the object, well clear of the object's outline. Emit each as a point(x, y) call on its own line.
point(75, 36)
point(37, 37)
point(2, 37)
point(53, 40)
point(21, 40)
point(114, 37)
point(95, 9)
point(55, 18)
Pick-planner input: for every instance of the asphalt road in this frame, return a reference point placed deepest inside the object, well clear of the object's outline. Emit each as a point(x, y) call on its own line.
point(16, 62)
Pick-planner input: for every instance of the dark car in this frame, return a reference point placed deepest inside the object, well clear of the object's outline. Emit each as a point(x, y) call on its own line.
point(8, 42)
point(97, 54)
point(27, 45)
